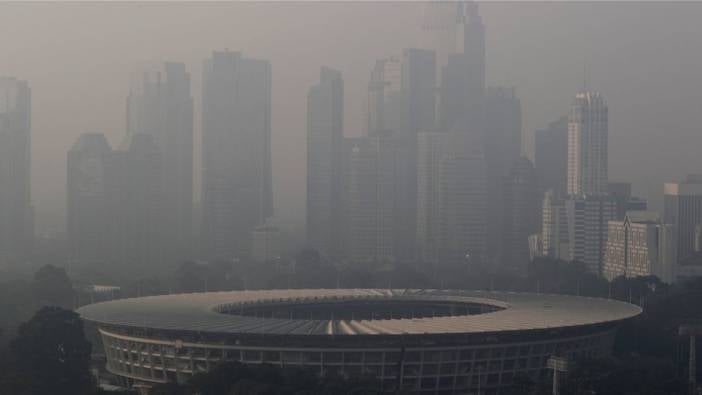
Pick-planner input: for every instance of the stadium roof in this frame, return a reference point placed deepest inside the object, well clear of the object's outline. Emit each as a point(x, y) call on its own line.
point(199, 312)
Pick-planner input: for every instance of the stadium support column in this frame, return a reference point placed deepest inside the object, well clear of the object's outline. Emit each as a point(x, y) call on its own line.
point(693, 365)
point(558, 365)
point(691, 330)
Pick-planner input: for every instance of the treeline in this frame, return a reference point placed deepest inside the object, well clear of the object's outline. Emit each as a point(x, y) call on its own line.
point(21, 298)
point(49, 356)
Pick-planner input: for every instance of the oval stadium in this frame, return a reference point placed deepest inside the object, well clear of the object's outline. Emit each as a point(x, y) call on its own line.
point(427, 341)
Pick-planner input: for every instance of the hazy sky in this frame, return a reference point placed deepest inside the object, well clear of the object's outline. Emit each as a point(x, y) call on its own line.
point(645, 58)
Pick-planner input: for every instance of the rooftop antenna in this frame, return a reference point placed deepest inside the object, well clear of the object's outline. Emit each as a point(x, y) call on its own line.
point(586, 77)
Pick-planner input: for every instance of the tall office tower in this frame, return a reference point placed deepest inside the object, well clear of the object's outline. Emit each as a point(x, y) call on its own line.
point(418, 86)
point(521, 218)
point(160, 104)
point(371, 183)
point(325, 135)
point(16, 218)
point(136, 206)
point(621, 193)
point(683, 209)
point(473, 44)
point(503, 144)
point(587, 145)
point(440, 26)
point(639, 245)
point(88, 218)
point(462, 82)
point(236, 153)
point(463, 200)
point(432, 147)
point(384, 100)
point(588, 218)
point(555, 237)
point(551, 156)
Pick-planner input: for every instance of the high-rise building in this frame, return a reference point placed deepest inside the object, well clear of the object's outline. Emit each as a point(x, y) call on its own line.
point(639, 245)
point(503, 143)
point(371, 186)
point(418, 89)
point(587, 145)
point(384, 100)
point(621, 193)
point(521, 218)
point(555, 237)
point(463, 200)
point(683, 210)
point(325, 122)
point(588, 218)
point(88, 222)
point(551, 156)
point(462, 88)
point(136, 207)
point(236, 153)
point(160, 104)
point(16, 216)
point(432, 147)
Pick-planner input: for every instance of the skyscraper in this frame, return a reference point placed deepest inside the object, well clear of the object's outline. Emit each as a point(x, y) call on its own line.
point(418, 85)
point(639, 245)
point(683, 210)
point(236, 153)
point(587, 145)
point(588, 218)
point(463, 200)
point(555, 237)
point(432, 147)
point(136, 207)
point(325, 123)
point(371, 183)
point(384, 100)
point(621, 193)
point(463, 170)
point(551, 156)
point(503, 144)
point(87, 187)
point(462, 82)
point(521, 204)
point(160, 104)
point(16, 218)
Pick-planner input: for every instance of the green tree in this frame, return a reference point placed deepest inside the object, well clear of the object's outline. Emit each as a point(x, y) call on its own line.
point(51, 355)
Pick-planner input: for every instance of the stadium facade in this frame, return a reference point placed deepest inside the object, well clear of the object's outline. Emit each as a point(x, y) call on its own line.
point(428, 341)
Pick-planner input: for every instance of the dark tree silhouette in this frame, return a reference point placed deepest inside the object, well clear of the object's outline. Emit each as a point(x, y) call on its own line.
point(51, 355)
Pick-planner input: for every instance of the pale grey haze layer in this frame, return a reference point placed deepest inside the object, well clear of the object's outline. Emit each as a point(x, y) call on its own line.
point(645, 58)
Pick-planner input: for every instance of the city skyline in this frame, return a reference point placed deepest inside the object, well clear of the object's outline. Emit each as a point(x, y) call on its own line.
point(543, 100)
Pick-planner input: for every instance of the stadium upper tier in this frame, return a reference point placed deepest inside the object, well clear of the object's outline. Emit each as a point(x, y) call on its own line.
point(357, 312)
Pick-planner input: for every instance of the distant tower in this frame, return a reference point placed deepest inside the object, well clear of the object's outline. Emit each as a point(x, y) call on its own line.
point(16, 217)
point(236, 153)
point(432, 147)
point(587, 145)
point(160, 104)
point(87, 188)
point(503, 143)
point(463, 200)
point(136, 207)
point(325, 135)
point(521, 216)
point(384, 95)
point(371, 183)
point(683, 209)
